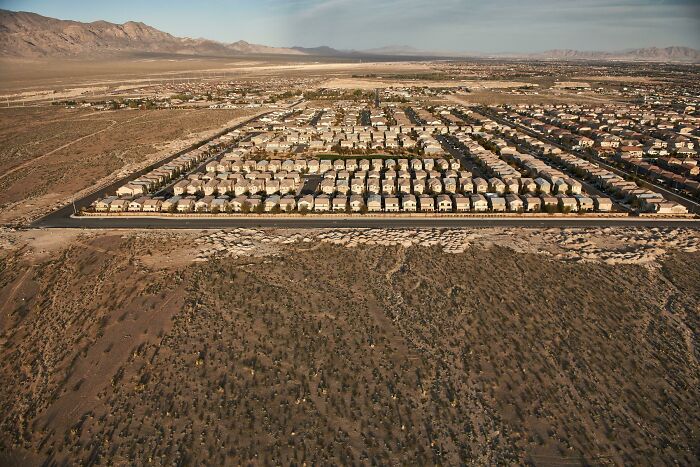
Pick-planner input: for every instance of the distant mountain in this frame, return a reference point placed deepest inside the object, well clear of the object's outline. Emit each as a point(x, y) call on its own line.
point(666, 54)
point(322, 51)
point(28, 35)
point(408, 51)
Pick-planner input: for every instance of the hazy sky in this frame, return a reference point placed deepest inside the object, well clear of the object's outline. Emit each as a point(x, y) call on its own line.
point(439, 25)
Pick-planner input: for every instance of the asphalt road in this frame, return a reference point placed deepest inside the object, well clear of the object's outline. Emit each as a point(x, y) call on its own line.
point(355, 222)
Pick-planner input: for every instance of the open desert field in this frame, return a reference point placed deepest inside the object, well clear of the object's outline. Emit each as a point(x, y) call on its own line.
point(38, 81)
point(50, 153)
point(292, 347)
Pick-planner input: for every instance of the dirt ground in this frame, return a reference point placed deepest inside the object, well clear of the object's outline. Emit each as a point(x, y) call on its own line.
point(50, 153)
point(321, 353)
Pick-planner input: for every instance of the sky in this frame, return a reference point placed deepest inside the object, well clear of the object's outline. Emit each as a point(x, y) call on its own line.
point(434, 25)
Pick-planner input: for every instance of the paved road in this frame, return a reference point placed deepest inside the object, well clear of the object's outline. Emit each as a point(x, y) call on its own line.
point(448, 143)
point(355, 222)
point(311, 184)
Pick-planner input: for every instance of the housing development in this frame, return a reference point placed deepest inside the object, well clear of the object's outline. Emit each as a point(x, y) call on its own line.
point(375, 157)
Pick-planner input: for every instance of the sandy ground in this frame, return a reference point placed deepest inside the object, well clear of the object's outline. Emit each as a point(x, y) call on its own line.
point(449, 346)
point(51, 154)
point(608, 245)
point(363, 83)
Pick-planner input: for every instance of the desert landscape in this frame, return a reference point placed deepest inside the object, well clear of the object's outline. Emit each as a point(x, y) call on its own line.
point(244, 348)
point(215, 251)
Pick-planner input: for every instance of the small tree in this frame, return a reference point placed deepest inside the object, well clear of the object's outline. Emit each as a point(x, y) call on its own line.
point(245, 207)
point(303, 210)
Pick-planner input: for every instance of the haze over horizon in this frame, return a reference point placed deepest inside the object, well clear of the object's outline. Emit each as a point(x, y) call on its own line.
point(450, 25)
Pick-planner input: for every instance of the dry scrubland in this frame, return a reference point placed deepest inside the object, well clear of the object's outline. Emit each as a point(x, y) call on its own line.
point(48, 153)
point(320, 353)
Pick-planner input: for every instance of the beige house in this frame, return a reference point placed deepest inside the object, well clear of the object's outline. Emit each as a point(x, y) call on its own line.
point(391, 204)
point(288, 203)
point(480, 185)
point(513, 202)
point(356, 203)
point(152, 205)
point(322, 203)
point(435, 185)
point(272, 187)
point(462, 203)
point(388, 187)
point(185, 205)
point(137, 204)
point(408, 203)
point(306, 203)
point(497, 203)
point(328, 186)
point(340, 203)
point(426, 203)
point(271, 202)
point(450, 185)
point(444, 203)
point(374, 203)
point(532, 203)
point(357, 186)
point(602, 204)
point(478, 202)
point(119, 205)
point(418, 186)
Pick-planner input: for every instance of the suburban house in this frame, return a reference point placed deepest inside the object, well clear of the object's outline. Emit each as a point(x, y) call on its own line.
point(497, 204)
point(478, 202)
point(513, 202)
point(356, 203)
point(462, 203)
point(340, 202)
point(322, 203)
point(119, 205)
point(408, 203)
point(306, 203)
point(543, 186)
point(152, 205)
point(137, 204)
point(444, 203)
point(391, 204)
point(426, 203)
point(532, 203)
point(602, 204)
point(288, 203)
point(374, 203)
point(185, 205)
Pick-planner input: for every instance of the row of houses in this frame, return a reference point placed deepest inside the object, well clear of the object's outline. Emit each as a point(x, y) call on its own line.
point(171, 170)
point(627, 190)
point(357, 203)
point(628, 129)
point(235, 164)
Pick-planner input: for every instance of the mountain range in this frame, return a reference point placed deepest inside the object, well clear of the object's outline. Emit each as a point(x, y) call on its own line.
point(29, 35)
